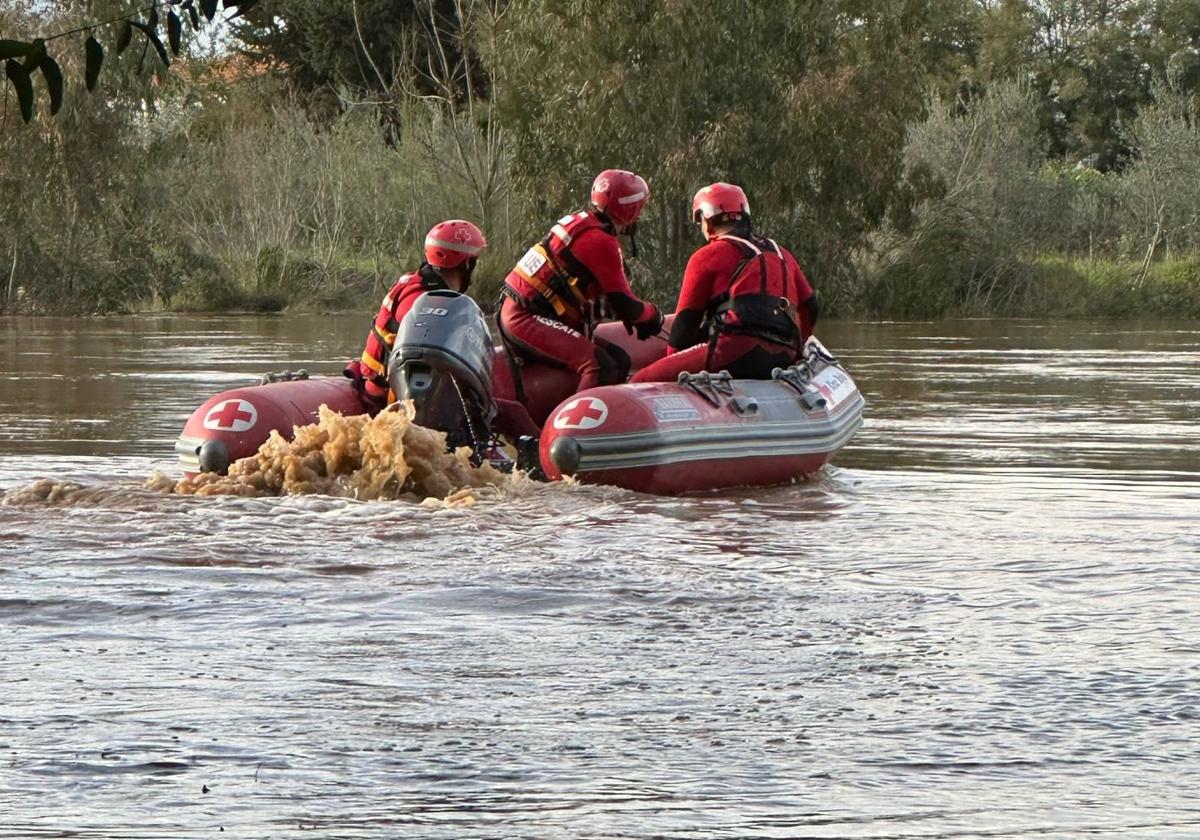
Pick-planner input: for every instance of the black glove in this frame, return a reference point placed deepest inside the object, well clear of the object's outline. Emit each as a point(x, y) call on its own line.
point(649, 327)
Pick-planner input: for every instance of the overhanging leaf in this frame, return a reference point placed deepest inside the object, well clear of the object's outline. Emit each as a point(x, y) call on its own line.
point(209, 7)
point(19, 77)
point(152, 18)
point(125, 37)
point(54, 82)
point(152, 37)
point(174, 30)
point(36, 53)
point(14, 49)
point(242, 7)
point(94, 54)
point(195, 16)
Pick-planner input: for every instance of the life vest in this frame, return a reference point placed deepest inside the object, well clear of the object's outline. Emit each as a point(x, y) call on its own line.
point(549, 280)
point(383, 330)
point(761, 297)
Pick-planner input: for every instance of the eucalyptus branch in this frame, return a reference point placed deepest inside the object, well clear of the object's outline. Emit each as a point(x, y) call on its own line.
point(362, 43)
point(142, 11)
point(25, 58)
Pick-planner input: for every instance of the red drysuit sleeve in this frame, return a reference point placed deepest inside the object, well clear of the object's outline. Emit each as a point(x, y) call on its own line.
point(601, 255)
point(707, 275)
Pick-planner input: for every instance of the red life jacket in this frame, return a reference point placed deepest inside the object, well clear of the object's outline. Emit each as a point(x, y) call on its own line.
point(761, 298)
point(382, 337)
point(549, 280)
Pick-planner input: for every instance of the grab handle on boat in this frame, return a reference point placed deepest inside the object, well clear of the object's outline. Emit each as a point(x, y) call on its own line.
point(283, 376)
point(744, 405)
point(813, 401)
point(794, 378)
point(710, 386)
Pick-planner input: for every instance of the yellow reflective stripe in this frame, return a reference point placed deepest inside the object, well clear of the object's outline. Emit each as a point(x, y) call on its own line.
point(372, 363)
point(545, 291)
point(579, 296)
point(387, 339)
point(559, 305)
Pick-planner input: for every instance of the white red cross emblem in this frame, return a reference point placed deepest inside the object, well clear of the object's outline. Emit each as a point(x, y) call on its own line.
point(231, 416)
point(581, 413)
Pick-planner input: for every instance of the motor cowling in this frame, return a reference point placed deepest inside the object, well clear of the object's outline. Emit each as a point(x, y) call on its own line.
point(442, 361)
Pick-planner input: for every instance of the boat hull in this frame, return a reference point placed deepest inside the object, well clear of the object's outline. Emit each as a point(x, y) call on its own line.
point(668, 438)
point(235, 423)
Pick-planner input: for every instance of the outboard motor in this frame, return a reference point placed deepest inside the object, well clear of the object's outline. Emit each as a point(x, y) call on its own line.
point(442, 361)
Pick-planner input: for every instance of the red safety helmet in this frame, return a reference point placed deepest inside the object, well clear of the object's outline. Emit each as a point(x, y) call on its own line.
point(451, 243)
point(717, 200)
point(620, 195)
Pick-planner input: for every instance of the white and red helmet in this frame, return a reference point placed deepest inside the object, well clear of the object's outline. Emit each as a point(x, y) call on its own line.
point(620, 195)
point(451, 243)
point(719, 199)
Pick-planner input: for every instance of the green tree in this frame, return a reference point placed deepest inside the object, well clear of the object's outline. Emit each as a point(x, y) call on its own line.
point(356, 51)
point(75, 234)
point(803, 102)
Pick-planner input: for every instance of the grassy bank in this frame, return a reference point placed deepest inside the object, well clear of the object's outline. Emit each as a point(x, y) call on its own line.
point(1062, 288)
point(243, 200)
point(279, 280)
point(179, 279)
point(1043, 287)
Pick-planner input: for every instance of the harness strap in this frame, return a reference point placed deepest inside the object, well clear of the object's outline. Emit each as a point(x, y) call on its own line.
point(514, 366)
point(763, 315)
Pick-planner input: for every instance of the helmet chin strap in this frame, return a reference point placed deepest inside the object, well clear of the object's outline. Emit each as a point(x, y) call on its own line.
point(431, 277)
point(468, 269)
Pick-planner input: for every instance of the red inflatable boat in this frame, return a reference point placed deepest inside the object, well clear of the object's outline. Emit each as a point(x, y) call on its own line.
point(705, 431)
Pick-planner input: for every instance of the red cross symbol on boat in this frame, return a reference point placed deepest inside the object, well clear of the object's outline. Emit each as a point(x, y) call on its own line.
point(231, 415)
point(583, 413)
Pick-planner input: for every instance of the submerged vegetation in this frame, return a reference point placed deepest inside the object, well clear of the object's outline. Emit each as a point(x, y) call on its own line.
point(1013, 157)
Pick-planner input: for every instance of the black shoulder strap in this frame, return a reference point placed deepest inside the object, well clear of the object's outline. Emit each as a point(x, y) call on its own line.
point(514, 365)
point(431, 278)
point(747, 251)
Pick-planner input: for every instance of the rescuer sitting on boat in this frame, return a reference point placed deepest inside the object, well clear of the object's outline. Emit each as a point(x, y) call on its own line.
point(551, 297)
point(745, 305)
point(452, 249)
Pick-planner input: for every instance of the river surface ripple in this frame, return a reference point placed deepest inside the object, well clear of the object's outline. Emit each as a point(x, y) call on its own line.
point(980, 623)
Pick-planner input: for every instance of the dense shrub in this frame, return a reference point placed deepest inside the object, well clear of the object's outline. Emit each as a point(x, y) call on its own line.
point(223, 184)
point(1001, 231)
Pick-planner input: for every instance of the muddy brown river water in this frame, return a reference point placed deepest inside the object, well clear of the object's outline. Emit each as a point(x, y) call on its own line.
point(981, 622)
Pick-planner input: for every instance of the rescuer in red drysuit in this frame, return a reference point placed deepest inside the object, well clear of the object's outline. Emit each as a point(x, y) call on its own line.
point(745, 305)
point(451, 250)
point(551, 296)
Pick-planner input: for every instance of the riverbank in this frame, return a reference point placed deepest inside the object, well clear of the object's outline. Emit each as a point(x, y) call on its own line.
point(1042, 287)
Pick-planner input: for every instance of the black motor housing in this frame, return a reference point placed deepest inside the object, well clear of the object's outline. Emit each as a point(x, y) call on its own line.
point(442, 361)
